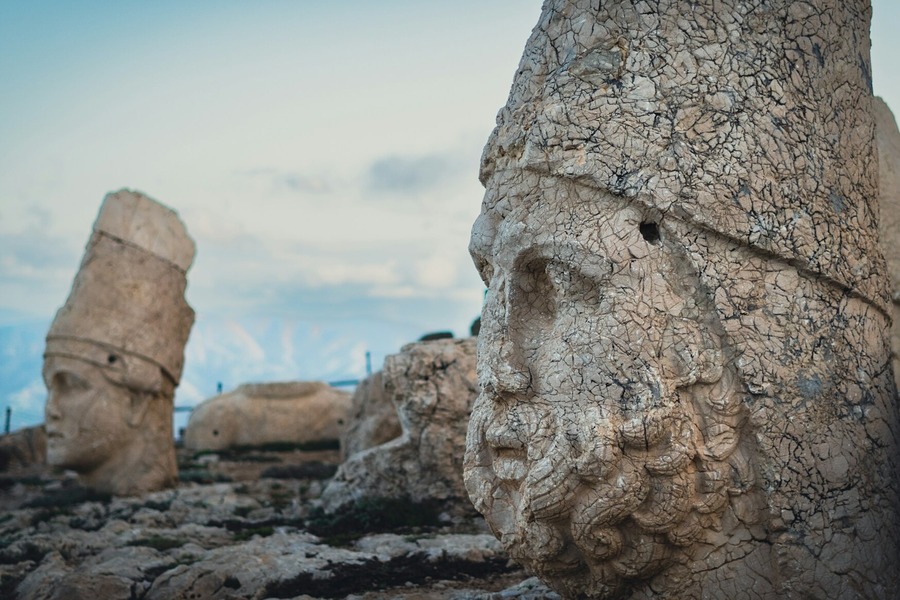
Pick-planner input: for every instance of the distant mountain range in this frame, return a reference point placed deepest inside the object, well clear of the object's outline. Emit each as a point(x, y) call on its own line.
point(220, 351)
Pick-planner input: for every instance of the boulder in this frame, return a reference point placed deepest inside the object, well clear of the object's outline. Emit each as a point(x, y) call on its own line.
point(256, 414)
point(433, 386)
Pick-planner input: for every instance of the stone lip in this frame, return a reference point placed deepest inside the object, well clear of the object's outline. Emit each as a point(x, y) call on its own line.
point(241, 539)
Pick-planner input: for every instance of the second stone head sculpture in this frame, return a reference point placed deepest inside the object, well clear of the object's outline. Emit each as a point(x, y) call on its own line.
point(115, 350)
point(685, 374)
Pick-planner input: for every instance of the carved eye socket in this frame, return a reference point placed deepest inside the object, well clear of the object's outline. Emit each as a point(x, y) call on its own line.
point(535, 291)
point(65, 381)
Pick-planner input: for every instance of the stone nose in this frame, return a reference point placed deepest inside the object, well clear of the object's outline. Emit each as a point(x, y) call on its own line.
point(51, 409)
point(501, 372)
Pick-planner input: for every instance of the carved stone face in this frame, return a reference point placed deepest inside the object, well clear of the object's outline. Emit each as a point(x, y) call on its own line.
point(88, 419)
point(598, 445)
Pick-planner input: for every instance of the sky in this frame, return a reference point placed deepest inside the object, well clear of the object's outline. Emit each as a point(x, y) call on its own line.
point(310, 147)
point(323, 155)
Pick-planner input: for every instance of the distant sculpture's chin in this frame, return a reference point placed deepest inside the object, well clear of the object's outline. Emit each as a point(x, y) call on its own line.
point(62, 454)
point(56, 452)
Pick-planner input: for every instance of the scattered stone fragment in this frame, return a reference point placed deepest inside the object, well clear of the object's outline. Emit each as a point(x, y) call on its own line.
point(256, 414)
point(373, 418)
point(23, 450)
point(432, 385)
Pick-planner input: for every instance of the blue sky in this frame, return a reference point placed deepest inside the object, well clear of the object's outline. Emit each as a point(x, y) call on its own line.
point(309, 147)
point(324, 155)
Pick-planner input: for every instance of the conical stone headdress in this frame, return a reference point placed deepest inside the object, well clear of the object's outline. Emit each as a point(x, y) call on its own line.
point(126, 312)
point(691, 118)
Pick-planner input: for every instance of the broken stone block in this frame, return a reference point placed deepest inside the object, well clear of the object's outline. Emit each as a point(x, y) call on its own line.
point(256, 414)
point(373, 418)
point(23, 451)
point(115, 350)
point(432, 385)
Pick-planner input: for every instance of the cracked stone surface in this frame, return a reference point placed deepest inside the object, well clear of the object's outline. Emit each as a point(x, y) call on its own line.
point(684, 358)
point(115, 350)
point(256, 414)
point(887, 138)
point(373, 418)
point(251, 539)
point(432, 386)
point(23, 451)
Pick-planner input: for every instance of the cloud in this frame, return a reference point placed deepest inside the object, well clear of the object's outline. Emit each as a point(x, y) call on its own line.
point(34, 253)
point(436, 272)
point(296, 182)
point(292, 181)
point(411, 175)
point(36, 271)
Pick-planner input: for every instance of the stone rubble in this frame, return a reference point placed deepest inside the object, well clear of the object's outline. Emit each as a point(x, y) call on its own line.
point(229, 540)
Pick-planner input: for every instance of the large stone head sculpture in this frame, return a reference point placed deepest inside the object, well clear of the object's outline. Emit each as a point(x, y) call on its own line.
point(685, 378)
point(115, 350)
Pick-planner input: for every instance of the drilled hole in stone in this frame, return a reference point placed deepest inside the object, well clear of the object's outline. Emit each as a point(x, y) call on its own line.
point(650, 231)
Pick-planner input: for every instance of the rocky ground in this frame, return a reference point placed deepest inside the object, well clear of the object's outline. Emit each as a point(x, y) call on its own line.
point(242, 524)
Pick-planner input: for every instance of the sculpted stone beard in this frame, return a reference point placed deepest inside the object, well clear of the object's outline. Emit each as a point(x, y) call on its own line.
point(597, 500)
point(604, 442)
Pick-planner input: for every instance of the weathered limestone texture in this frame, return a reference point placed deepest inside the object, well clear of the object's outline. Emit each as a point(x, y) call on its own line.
point(256, 414)
point(432, 386)
point(115, 350)
point(888, 142)
point(685, 371)
point(24, 450)
point(373, 418)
